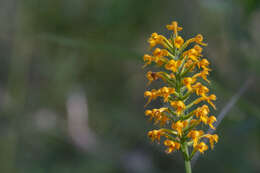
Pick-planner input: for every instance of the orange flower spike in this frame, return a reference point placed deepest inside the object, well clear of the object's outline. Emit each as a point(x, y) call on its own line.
point(184, 66)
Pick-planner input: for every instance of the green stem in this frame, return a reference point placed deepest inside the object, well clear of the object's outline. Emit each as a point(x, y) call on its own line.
point(187, 116)
point(187, 159)
point(188, 166)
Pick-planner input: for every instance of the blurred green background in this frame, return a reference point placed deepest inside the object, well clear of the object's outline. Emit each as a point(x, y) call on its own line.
point(71, 84)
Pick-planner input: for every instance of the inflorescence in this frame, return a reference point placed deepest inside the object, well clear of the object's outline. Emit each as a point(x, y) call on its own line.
point(184, 72)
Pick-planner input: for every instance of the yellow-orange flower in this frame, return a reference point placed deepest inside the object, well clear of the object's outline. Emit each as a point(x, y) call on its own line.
point(211, 120)
point(195, 135)
point(210, 98)
point(155, 135)
point(207, 99)
point(189, 64)
point(153, 94)
point(165, 92)
point(160, 52)
point(201, 147)
point(204, 63)
point(148, 59)
point(193, 53)
point(188, 81)
point(179, 126)
point(158, 115)
point(174, 27)
point(200, 89)
point(156, 39)
point(198, 49)
point(203, 74)
point(199, 40)
point(178, 41)
point(202, 113)
point(172, 146)
point(152, 76)
point(172, 65)
point(212, 139)
point(179, 106)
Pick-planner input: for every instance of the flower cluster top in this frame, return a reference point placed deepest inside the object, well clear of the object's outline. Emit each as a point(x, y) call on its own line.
point(186, 97)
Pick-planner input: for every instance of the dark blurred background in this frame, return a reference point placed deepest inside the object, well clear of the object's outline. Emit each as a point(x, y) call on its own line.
point(71, 84)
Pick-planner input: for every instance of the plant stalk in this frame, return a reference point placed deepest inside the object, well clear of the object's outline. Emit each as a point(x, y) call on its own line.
point(187, 159)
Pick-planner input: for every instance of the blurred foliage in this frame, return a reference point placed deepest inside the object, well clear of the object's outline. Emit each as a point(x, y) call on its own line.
point(53, 49)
